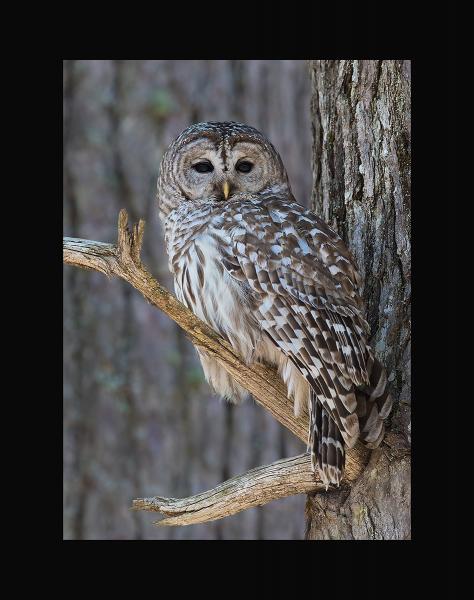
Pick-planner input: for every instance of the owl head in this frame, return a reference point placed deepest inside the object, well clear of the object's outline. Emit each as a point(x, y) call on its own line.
point(217, 162)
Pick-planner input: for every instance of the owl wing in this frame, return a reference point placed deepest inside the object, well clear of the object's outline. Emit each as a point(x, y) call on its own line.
point(305, 285)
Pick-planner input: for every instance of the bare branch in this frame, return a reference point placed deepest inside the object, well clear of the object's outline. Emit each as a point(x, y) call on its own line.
point(123, 260)
point(256, 487)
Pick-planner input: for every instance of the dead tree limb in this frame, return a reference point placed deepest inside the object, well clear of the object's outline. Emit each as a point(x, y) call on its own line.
point(254, 488)
point(283, 478)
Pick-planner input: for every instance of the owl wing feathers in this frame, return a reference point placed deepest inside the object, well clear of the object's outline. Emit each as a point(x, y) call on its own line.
point(305, 286)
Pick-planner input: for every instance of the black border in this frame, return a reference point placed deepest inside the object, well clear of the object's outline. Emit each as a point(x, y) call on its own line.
point(438, 114)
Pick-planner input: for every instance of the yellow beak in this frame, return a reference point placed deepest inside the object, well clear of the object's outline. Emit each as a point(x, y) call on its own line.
point(226, 189)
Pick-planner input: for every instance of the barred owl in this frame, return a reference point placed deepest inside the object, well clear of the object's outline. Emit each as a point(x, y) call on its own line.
point(275, 281)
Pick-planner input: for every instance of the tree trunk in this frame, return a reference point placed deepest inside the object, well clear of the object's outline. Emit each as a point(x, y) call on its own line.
point(361, 188)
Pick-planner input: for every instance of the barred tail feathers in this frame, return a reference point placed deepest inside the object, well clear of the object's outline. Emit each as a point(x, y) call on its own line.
point(326, 444)
point(325, 440)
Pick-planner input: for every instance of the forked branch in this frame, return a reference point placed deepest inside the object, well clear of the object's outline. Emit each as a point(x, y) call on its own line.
point(258, 486)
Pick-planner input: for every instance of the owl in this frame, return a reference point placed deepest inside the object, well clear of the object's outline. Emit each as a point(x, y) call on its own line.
point(275, 281)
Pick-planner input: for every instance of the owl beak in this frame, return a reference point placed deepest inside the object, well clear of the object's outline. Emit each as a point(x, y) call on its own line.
point(226, 189)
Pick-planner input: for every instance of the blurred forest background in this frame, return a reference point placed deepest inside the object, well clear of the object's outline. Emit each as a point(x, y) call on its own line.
point(139, 418)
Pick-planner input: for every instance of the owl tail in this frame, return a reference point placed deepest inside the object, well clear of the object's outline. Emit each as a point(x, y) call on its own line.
point(326, 443)
point(325, 439)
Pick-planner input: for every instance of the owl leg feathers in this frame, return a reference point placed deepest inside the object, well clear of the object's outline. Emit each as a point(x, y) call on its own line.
point(221, 381)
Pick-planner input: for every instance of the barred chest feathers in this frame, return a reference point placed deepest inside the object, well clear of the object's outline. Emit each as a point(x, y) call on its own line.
point(195, 243)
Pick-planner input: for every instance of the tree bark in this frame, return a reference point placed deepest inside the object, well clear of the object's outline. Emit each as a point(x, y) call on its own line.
point(361, 188)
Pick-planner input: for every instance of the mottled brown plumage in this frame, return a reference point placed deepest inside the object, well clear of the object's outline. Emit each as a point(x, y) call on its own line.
point(273, 279)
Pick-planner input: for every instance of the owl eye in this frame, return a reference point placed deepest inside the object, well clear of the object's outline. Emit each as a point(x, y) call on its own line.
point(244, 166)
point(203, 167)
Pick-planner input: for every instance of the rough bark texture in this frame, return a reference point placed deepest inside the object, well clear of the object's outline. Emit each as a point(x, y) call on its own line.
point(361, 187)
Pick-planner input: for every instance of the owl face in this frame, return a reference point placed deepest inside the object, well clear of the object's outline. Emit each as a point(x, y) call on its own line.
point(215, 162)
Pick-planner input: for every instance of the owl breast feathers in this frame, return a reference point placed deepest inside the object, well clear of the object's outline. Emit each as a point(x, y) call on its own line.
point(273, 279)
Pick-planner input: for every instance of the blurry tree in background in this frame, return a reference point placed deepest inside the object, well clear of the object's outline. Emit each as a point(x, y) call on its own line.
point(139, 419)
